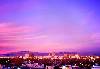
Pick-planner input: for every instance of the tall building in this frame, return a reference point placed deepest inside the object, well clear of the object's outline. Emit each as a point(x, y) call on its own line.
point(0, 66)
point(52, 54)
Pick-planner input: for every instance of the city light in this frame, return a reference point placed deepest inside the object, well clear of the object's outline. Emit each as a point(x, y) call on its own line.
point(68, 61)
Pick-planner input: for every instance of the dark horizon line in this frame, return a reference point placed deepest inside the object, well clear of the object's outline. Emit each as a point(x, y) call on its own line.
point(60, 52)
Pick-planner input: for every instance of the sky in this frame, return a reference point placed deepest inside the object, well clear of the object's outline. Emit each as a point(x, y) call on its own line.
point(50, 25)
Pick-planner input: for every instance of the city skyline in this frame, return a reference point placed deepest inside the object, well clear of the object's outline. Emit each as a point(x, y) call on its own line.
point(49, 25)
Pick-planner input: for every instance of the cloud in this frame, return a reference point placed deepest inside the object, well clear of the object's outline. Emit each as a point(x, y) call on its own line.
point(21, 37)
point(13, 36)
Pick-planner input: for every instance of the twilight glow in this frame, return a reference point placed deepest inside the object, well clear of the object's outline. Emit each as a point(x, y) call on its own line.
point(49, 25)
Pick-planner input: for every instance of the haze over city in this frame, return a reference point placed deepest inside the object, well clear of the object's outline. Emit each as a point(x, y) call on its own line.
point(49, 25)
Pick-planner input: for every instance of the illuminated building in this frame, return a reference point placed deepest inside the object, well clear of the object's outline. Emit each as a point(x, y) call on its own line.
point(71, 56)
point(66, 67)
point(49, 67)
point(52, 54)
point(0, 66)
point(75, 67)
point(95, 67)
point(26, 56)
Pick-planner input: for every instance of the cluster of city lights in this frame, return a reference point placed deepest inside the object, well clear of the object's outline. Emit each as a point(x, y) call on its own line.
point(71, 61)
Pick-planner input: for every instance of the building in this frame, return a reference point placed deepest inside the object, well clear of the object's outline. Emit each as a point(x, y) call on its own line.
point(49, 67)
point(66, 67)
point(75, 67)
point(95, 67)
point(0, 66)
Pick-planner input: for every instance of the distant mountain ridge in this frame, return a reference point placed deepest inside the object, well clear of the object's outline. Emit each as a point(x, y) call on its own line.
point(22, 53)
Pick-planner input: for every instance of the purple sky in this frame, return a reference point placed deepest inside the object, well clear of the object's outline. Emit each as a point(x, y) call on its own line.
point(49, 25)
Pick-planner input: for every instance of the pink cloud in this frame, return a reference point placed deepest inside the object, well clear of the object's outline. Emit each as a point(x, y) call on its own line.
point(14, 36)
